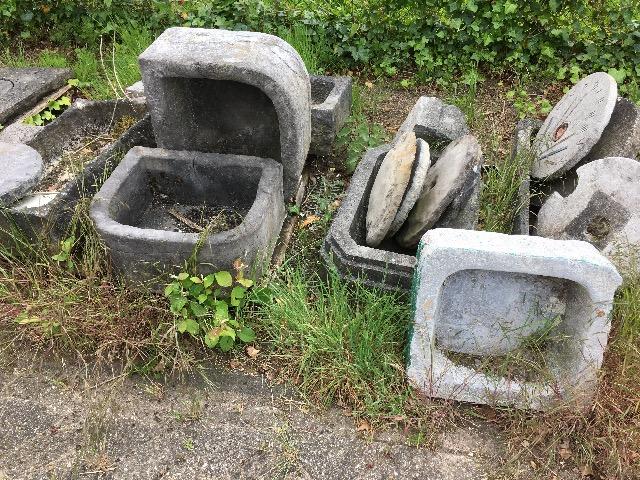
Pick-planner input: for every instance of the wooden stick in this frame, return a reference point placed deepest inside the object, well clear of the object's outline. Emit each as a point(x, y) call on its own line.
point(186, 221)
point(43, 104)
point(289, 225)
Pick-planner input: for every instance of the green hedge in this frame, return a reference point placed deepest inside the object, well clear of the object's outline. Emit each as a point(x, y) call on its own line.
point(563, 39)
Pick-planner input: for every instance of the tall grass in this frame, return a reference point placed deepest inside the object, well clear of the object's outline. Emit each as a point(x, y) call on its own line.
point(104, 70)
point(340, 343)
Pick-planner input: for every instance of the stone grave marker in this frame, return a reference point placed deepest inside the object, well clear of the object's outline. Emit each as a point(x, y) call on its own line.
point(574, 125)
point(484, 293)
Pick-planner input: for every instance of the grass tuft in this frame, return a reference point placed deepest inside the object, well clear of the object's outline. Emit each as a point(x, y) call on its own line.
point(339, 342)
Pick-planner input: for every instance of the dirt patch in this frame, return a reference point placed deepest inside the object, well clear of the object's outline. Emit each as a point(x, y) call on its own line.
point(164, 213)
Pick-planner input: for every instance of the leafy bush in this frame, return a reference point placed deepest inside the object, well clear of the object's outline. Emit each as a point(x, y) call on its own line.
point(440, 38)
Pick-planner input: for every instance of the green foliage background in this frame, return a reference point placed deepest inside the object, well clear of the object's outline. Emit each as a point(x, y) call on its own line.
point(439, 38)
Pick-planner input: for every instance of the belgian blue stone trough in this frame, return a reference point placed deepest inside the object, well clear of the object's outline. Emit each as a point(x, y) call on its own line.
point(44, 211)
point(146, 243)
point(390, 266)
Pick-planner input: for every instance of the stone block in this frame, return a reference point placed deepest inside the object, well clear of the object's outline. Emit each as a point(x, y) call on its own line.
point(621, 136)
point(486, 294)
point(21, 88)
point(330, 107)
point(435, 122)
point(241, 93)
point(141, 234)
point(604, 210)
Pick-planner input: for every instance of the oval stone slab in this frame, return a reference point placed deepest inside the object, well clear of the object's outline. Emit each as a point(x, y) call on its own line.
point(422, 165)
point(444, 181)
point(388, 188)
point(574, 125)
point(21, 169)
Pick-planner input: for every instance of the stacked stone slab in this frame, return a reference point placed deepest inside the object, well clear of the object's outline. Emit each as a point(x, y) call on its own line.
point(389, 265)
point(484, 294)
point(241, 93)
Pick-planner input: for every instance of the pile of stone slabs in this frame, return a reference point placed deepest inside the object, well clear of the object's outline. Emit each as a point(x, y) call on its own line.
point(46, 214)
point(21, 88)
point(330, 107)
point(390, 266)
point(485, 294)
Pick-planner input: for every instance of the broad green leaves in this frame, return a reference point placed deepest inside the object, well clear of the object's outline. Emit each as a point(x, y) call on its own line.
point(203, 307)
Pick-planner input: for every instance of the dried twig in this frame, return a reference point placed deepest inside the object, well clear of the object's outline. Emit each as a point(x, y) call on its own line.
point(186, 221)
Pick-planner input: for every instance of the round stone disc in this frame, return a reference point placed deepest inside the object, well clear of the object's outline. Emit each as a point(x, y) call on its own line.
point(21, 169)
point(574, 125)
point(389, 187)
point(445, 180)
point(422, 165)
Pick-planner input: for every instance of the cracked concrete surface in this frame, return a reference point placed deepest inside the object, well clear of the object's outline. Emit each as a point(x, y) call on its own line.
point(58, 422)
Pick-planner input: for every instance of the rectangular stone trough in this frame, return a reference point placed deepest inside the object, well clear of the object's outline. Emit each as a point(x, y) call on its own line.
point(488, 295)
point(46, 210)
point(389, 266)
point(145, 212)
point(330, 107)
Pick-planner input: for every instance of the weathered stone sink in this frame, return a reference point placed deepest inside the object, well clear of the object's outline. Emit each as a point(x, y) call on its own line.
point(136, 212)
point(46, 209)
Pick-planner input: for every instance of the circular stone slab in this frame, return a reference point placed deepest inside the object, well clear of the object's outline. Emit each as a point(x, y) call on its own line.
point(21, 169)
point(445, 180)
point(389, 187)
point(574, 125)
point(415, 187)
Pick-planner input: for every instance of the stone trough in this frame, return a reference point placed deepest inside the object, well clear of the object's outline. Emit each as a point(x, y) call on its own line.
point(231, 116)
point(487, 294)
point(78, 151)
point(136, 212)
point(389, 265)
point(330, 107)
